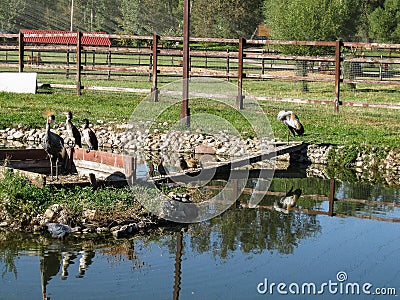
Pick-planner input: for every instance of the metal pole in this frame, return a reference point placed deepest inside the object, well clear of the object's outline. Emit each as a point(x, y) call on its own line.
point(154, 89)
point(239, 99)
point(72, 14)
point(78, 63)
point(21, 52)
point(185, 112)
point(337, 74)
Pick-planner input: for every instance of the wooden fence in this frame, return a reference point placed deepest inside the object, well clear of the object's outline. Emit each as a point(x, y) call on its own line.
point(251, 59)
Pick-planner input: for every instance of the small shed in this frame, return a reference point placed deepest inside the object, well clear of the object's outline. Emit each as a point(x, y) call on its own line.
point(64, 37)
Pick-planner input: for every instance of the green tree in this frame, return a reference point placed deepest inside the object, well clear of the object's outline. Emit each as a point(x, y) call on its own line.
point(226, 18)
point(10, 11)
point(152, 16)
point(384, 22)
point(311, 20)
point(367, 7)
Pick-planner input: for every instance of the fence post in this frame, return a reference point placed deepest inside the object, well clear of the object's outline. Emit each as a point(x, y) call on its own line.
point(21, 52)
point(67, 69)
point(239, 99)
point(338, 64)
point(78, 62)
point(185, 110)
point(227, 64)
point(154, 89)
point(109, 62)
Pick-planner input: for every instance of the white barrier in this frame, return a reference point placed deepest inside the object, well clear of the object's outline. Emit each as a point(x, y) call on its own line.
point(18, 82)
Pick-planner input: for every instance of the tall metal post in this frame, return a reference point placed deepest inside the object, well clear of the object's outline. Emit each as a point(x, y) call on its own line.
point(337, 74)
point(154, 89)
point(78, 63)
point(185, 112)
point(239, 99)
point(21, 52)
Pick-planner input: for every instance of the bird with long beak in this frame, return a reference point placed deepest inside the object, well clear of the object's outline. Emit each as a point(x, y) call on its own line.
point(53, 144)
point(73, 132)
point(89, 136)
point(292, 122)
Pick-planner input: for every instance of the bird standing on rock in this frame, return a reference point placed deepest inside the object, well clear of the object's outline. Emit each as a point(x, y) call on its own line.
point(53, 144)
point(89, 137)
point(72, 130)
point(292, 122)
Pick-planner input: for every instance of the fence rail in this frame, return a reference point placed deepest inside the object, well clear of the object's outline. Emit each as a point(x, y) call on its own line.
point(344, 62)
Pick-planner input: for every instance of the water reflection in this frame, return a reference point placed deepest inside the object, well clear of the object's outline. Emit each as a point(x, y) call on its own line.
point(170, 257)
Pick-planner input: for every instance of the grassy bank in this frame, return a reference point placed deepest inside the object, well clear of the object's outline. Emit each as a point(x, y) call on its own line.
point(21, 202)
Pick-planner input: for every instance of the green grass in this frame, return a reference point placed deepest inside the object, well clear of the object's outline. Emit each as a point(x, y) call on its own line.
point(22, 201)
point(364, 126)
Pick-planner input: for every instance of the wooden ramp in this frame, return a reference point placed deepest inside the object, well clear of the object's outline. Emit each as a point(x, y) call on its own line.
point(211, 171)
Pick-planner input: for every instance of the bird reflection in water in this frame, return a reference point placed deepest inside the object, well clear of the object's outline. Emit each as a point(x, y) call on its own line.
point(288, 201)
point(53, 261)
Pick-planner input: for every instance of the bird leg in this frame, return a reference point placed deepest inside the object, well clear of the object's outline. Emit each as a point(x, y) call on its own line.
point(57, 168)
point(288, 134)
point(51, 168)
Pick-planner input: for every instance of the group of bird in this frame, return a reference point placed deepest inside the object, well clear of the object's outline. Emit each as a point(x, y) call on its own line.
point(188, 164)
point(54, 144)
point(287, 117)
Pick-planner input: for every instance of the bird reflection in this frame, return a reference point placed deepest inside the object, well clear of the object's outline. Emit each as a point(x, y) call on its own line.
point(288, 201)
point(54, 262)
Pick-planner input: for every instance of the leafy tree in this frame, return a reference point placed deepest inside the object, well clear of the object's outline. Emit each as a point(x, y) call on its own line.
point(226, 18)
point(384, 22)
point(152, 16)
point(311, 20)
point(9, 15)
point(367, 7)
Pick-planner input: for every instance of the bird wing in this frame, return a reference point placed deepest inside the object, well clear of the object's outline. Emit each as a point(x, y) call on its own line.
point(77, 136)
point(93, 140)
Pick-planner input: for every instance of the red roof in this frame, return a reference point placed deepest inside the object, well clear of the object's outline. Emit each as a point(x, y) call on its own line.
point(64, 37)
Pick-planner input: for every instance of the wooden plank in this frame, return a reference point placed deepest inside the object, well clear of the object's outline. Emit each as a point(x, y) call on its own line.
point(100, 168)
point(211, 171)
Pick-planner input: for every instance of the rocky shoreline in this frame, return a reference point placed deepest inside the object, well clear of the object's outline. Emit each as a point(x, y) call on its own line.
point(129, 138)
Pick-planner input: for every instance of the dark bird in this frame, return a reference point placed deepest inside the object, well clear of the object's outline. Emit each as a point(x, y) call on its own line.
point(73, 132)
point(182, 163)
point(89, 137)
point(161, 169)
point(60, 231)
point(288, 201)
point(53, 144)
point(292, 122)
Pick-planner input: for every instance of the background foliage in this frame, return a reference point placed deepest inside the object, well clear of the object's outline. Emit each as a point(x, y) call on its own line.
point(290, 20)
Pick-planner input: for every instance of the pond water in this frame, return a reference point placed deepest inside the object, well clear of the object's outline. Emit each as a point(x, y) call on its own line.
point(316, 250)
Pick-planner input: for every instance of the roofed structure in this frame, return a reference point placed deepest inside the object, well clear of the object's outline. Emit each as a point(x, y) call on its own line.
point(64, 37)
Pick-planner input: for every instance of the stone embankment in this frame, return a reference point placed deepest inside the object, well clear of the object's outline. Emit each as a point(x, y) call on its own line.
point(362, 159)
